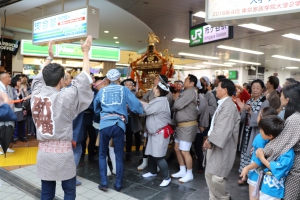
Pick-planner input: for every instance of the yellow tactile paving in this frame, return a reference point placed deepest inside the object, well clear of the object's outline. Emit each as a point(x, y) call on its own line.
point(21, 156)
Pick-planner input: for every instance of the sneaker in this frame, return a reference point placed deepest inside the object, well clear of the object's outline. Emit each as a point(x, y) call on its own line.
point(10, 150)
point(78, 182)
point(1, 153)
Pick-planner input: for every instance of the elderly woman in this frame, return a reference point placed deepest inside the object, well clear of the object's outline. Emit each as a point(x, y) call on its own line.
point(288, 138)
point(249, 114)
point(157, 123)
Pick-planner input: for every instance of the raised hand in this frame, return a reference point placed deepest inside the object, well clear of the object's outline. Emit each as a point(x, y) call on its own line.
point(50, 49)
point(85, 47)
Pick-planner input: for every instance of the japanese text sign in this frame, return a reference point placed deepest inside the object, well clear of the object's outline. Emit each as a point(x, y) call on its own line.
point(203, 33)
point(220, 10)
point(67, 26)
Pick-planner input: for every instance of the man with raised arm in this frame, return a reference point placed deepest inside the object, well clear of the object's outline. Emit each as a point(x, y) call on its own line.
point(53, 111)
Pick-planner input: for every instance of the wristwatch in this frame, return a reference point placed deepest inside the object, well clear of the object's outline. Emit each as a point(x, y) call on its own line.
point(49, 58)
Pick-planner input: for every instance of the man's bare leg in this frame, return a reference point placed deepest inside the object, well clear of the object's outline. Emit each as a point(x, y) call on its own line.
point(180, 158)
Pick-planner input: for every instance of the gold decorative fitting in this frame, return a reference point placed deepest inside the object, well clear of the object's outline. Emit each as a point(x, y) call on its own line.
point(152, 39)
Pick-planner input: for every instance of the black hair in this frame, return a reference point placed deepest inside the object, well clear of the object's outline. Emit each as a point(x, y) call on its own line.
point(30, 81)
point(266, 111)
point(293, 93)
point(249, 89)
point(245, 84)
point(291, 80)
point(162, 92)
point(129, 79)
point(193, 78)
point(229, 85)
point(220, 77)
point(14, 81)
point(53, 73)
point(203, 90)
point(164, 78)
point(260, 82)
point(271, 125)
point(273, 80)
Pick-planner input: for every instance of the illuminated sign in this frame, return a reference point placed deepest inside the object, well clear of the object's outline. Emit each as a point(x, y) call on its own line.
point(71, 51)
point(204, 33)
point(67, 26)
point(220, 10)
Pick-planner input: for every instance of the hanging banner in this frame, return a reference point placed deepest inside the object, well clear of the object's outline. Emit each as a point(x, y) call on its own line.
point(9, 46)
point(221, 10)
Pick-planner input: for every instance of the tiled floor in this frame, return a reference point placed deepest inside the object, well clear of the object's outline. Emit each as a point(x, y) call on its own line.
point(9, 192)
point(88, 189)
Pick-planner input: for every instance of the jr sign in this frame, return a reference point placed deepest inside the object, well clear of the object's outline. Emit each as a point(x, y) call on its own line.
point(204, 33)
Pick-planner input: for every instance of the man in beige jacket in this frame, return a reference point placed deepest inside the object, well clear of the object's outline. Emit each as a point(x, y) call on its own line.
point(222, 142)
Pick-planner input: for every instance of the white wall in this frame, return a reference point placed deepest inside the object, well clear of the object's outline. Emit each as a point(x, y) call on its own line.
point(17, 61)
point(282, 75)
point(210, 73)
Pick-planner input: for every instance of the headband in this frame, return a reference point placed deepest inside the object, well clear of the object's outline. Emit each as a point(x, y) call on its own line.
point(198, 85)
point(98, 83)
point(163, 86)
point(130, 82)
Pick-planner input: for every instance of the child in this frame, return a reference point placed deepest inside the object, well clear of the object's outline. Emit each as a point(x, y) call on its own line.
point(252, 170)
point(272, 187)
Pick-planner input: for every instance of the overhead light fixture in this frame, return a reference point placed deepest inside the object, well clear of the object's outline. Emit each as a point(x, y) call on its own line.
point(198, 56)
point(117, 42)
point(257, 27)
point(216, 64)
point(181, 40)
point(292, 67)
point(200, 14)
point(244, 62)
point(106, 31)
point(229, 63)
point(115, 38)
point(121, 64)
point(239, 49)
point(286, 58)
point(292, 36)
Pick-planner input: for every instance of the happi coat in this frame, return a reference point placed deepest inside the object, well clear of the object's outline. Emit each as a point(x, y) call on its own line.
point(224, 136)
point(158, 116)
point(185, 110)
point(53, 113)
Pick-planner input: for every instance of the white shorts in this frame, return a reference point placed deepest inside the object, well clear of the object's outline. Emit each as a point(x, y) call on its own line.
point(252, 183)
point(263, 196)
point(183, 145)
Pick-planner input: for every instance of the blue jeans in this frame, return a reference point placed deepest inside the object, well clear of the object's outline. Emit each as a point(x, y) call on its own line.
point(106, 134)
point(77, 153)
point(69, 187)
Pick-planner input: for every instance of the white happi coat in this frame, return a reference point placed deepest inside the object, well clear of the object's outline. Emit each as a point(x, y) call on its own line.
point(53, 112)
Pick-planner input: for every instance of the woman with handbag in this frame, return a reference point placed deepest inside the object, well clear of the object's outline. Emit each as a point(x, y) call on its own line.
point(157, 123)
point(20, 123)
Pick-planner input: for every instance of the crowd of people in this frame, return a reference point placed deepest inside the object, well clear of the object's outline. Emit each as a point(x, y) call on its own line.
point(213, 120)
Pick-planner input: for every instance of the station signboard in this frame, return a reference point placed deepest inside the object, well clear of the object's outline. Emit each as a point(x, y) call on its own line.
point(67, 27)
point(204, 33)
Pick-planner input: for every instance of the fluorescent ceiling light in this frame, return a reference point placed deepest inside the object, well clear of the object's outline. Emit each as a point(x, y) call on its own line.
point(106, 31)
point(115, 38)
point(292, 36)
point(240, 50)
point(229, 63)
point(286, 58)
point(256, 27)
point(292, 67)
point(245, 62)
point(198, 56)
point(200, 14)
point(181, 40)
point(121, 64)
point(222, 65)
point(117, 42)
